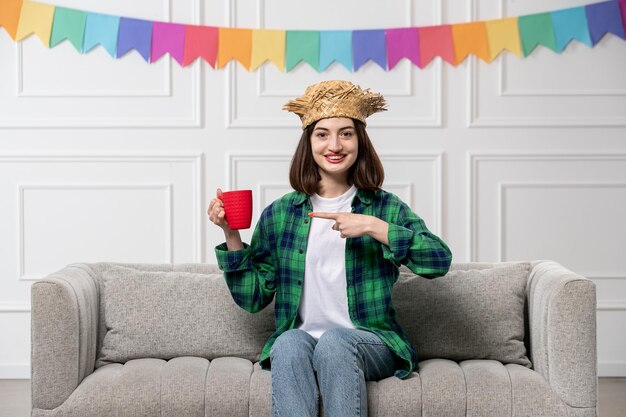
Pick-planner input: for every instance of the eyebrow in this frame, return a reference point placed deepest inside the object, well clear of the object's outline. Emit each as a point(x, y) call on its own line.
point(342, 128)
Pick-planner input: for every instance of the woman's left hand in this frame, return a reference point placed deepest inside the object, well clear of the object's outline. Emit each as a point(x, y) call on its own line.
point(355, 225)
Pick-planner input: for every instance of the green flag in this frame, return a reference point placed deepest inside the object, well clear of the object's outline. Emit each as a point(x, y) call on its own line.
point(536, 29)
point(68, 24)
point(303, 45)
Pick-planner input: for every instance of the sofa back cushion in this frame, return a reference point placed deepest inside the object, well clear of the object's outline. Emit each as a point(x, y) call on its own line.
point(166, 311)
point(467, 314)
point(161, 314)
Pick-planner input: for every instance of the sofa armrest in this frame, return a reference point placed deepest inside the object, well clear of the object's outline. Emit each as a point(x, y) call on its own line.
point(64, 328)
point(562, 321)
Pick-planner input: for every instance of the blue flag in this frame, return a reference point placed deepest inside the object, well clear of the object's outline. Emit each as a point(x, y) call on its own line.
point(101, 29)
point(369, 44)
point(135, 34)
point(604, 18)
point(335, 45)
point(570, 24)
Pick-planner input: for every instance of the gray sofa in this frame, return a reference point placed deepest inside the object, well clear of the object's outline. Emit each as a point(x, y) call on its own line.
point(507, 339)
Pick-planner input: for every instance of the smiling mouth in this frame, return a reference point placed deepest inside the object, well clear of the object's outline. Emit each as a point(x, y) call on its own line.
point(335, 159)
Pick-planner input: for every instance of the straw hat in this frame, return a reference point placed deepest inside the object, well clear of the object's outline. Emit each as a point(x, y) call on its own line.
point(335, 98)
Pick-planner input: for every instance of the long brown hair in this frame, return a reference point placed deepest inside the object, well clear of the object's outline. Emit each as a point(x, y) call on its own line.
point(367, 172)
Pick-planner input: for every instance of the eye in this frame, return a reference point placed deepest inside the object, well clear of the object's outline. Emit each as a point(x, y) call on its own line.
point(347, 133)
point(321, 135)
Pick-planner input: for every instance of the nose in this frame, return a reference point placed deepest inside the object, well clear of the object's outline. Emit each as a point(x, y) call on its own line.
point(334, 145)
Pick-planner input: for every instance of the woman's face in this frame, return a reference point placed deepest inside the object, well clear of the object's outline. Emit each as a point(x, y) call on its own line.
point(335, 146)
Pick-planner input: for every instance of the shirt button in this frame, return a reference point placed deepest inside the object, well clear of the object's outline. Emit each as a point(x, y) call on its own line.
point(300, 251)
point(299, 282)
point(306, 221)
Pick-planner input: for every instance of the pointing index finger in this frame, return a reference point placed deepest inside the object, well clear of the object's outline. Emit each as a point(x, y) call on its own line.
point(323, 215)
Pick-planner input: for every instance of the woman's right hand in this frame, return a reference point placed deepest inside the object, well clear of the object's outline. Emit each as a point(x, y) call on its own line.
point(216, 212)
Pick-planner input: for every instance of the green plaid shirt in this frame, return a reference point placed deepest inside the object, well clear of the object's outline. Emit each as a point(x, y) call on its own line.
point(273, 266)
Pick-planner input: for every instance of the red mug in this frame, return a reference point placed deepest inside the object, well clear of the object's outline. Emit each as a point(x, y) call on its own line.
point(238, 208)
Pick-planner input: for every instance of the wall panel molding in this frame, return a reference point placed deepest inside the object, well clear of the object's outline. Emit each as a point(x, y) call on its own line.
point(14, 308)
point(168, 206)
point(474, 159)
point(196, 179)
point(504, 186)
point(15, 371)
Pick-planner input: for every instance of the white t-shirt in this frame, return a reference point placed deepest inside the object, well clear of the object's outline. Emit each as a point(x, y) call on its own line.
point(324, 302)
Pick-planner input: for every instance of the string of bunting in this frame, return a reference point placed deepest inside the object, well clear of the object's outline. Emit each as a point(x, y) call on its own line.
point(319, 48)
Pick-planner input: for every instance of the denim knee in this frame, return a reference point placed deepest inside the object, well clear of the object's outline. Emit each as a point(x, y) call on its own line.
point(293, 344)
point(333, 347)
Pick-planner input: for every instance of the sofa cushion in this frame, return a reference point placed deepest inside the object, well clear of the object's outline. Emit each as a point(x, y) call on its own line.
point(233, 387)
point(151, 314)
point(466, 314)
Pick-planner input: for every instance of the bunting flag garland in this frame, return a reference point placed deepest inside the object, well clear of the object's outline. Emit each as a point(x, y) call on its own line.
point(622, 5)
point(570, 24)
point(101, 29)
point(269, 45)
point(335, 46)
point(605, 18)
point(285, 49)
point(402, 43)
point(10, 16)
point(503, 34)
point(168, 38)
point(436, 41)
point(302, 45)
point(201, 41)
point(134, 34)
point(470, 38)
point(69, 24)
point(234, 44)
point(369, 44)
point(36, 18)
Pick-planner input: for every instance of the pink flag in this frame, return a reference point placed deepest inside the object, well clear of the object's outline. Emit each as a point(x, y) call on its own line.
point(402, 43)
point(168, 37)
point(436, 40)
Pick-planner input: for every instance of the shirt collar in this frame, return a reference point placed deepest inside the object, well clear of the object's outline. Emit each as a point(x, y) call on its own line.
point(365, 196)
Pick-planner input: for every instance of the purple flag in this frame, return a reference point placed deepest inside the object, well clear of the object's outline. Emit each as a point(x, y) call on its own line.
point(622, 5)
point(604, 18)
point(168, 37)
point(134, 34)
point(369, 44)
point(403, 43)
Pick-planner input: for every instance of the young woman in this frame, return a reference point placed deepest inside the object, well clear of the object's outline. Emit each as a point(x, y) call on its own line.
point(329, 254)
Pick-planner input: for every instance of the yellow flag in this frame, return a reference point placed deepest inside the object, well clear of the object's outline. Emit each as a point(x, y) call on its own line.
point(268, 45)
point(503, 34)
point(234, 43)
point(36, 18)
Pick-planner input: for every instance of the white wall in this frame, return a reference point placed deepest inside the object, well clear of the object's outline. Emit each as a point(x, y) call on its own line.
point(104, 159)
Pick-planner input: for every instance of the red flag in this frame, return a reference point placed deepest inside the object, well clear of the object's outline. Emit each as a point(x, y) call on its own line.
point(200, 41)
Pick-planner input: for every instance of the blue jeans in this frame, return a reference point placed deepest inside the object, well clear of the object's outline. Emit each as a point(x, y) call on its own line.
point(342, 360)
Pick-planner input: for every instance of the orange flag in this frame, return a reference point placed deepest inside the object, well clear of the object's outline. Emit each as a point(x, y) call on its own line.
point(470, 38)
point(10, 16)
point(236, 44)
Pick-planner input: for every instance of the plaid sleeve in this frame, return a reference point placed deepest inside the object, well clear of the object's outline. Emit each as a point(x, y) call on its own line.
point(250, 272)
point(413, 245)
